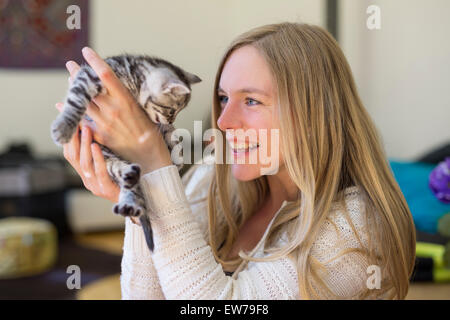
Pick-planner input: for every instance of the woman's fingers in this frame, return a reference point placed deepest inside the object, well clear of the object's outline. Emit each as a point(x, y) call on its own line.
point(73, 68)
point(104, 72)
point(107, 186)
point(87, 159)
point(93, 111)
point(86, 163)
point(71, 150)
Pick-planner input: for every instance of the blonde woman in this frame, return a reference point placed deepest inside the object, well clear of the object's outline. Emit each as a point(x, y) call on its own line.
point(329, 223)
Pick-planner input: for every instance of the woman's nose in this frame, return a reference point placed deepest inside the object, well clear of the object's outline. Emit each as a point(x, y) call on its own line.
point(230, 118)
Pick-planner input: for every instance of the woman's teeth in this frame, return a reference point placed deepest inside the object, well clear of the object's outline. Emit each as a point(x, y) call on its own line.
point(242, 147)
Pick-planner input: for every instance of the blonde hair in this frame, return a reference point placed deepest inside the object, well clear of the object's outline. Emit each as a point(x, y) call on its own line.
point(316, 94)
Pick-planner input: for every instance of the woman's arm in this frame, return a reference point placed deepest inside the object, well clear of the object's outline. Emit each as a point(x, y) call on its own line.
point(138, 279)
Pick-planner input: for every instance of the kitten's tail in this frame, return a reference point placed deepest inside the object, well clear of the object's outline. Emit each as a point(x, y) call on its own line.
point(148, 232)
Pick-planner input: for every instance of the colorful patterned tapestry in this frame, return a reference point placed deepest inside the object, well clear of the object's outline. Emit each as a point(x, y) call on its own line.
point(42, 33)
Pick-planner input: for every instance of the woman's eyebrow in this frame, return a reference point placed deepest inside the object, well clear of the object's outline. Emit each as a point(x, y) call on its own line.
point(248, 90)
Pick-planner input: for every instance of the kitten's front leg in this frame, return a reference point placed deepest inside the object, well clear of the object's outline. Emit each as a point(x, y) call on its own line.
point(172, 139)
point(83, 89)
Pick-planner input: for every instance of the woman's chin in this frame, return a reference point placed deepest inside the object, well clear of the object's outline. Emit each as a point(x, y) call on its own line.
point(245, 172)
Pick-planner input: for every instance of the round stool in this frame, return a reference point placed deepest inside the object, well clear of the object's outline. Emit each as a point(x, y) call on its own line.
point(28, 246)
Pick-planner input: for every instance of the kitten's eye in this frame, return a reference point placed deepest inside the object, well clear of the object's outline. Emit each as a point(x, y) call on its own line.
point(223, 99)
point(252, 102)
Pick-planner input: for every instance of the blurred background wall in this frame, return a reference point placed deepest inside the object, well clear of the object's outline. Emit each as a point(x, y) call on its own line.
point(193, 34)
point(402, 70)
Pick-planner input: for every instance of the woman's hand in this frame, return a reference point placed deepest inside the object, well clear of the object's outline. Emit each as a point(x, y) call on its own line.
point(88, 161)
point(120, 124)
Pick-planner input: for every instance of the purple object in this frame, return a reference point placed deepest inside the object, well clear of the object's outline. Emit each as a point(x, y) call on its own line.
point(439, 181)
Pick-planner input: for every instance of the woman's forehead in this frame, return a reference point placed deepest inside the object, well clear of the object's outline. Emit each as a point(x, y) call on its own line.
point(246, 69)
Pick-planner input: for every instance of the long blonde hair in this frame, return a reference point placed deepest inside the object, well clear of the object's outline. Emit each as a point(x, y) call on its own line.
point(329, 143)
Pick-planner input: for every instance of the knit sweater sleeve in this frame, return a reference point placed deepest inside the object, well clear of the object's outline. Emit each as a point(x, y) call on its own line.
point(138, 280)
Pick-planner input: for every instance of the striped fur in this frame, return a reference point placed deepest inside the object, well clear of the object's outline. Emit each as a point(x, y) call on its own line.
point(160, 88)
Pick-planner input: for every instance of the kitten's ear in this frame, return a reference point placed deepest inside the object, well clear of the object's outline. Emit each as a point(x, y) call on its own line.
point(192, 78)
point(175, 88)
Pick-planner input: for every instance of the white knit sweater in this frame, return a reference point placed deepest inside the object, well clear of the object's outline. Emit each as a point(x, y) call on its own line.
point(183, 266)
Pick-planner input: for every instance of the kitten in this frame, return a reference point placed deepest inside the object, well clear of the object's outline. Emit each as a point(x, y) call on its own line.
point(159, 87)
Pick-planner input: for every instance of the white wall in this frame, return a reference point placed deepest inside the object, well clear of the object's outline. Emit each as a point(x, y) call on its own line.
point(193, 34)
point(402, 70)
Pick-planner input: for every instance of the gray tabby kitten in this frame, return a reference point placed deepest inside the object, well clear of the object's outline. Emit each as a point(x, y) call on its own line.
point(159, 87)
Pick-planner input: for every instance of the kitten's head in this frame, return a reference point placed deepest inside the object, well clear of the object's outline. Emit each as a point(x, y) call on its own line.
point(166, 90)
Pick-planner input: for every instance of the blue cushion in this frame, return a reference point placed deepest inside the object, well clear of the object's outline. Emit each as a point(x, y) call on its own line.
point(412, 178)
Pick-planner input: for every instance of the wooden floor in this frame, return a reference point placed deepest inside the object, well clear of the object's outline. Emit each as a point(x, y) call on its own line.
point(109, 288)
point(429, 291)
point(105, 289)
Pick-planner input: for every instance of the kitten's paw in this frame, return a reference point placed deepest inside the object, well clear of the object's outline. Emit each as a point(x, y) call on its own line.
point(131, 176)
point(62, 132)
point(128, 209)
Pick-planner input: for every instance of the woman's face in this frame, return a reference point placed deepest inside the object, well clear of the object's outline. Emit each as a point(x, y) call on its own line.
point(247, 97)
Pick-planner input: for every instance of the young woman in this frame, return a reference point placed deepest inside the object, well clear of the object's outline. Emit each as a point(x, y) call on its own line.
point(330, 223)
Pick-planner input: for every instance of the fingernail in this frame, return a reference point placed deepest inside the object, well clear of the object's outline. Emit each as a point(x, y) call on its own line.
point(70, 65)
point(87, 52)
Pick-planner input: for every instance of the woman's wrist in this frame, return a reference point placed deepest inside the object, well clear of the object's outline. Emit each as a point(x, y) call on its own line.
point(157, 157)
point(157, 161)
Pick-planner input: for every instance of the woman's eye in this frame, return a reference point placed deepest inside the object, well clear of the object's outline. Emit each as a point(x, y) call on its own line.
point(252, 102)
point(223, 99)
